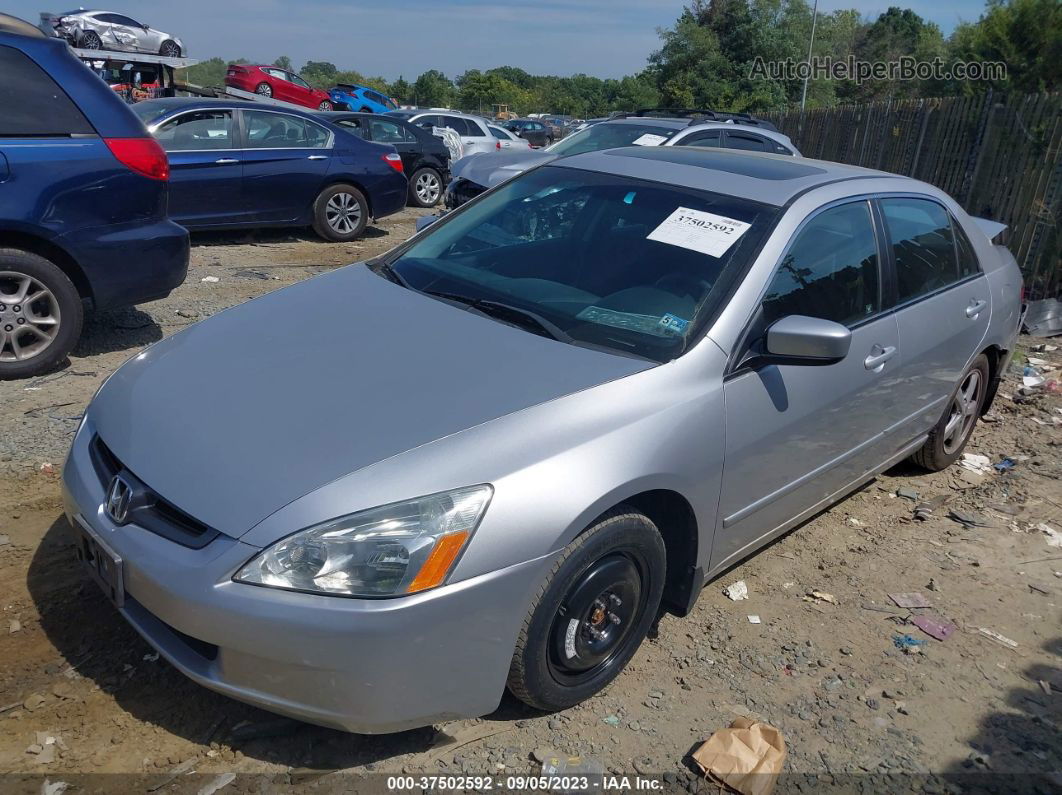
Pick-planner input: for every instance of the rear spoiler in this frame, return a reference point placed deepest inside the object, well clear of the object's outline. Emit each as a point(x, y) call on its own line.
point(992, 229)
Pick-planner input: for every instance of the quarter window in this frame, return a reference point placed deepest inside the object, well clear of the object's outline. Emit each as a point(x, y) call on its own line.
point(278, 131)
point(923, 246)
point(206, 129)
point(33, 103)
point(968, 264)
point(498, 133)
point(830, 270)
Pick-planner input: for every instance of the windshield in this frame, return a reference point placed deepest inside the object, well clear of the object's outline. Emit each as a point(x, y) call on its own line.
point(610, 136)
point(608, 261)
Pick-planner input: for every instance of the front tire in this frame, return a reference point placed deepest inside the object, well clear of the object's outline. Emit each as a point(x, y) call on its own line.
point(264, 90)
point(40, 314)
point(949, 436)
point(591, 614)
point(170, 49)
point(425, 187)
point(325, 106)
point(90, 40)
point(340, 213)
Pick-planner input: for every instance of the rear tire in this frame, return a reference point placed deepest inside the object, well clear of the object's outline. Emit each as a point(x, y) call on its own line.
point(425, 187)
point(325, 106)
point(366, 110)
point(949, 436)
point(170, 49)
point(40, 314)
point(264, 89)
point(340, 213)
point(591, 614)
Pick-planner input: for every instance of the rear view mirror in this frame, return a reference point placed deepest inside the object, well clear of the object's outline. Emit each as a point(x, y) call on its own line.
point(811, 340)
point(425, 221)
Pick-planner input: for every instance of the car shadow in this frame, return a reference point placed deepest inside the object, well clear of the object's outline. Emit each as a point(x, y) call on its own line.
point(116, 330)
point(90, 635)
point(267, 236)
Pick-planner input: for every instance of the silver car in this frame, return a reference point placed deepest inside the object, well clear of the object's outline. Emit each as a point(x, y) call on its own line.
point(488, 458)
point(107, 30)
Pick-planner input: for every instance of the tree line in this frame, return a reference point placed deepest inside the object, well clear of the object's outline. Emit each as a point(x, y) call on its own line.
point(707, 59)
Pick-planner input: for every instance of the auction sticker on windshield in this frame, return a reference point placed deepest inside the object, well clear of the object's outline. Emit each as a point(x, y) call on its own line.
point(707, 233)
point(649, 140)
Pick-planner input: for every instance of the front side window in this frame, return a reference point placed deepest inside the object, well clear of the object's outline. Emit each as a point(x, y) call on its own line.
point(830, 270)
point(205, 129)
point(387, 132)
point(919, 231)
point(277, 131)
point(610, 261)
point(609, 136)
point(300, 82)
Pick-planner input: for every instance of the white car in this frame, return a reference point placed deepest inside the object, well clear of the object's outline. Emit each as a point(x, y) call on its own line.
point(475, 137)
point(507, 139)
point(107, 30)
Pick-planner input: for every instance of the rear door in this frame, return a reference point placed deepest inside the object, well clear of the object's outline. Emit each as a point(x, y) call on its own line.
point(943, 304)
point(129, 32)
point(796, 434)
point(285, 160)
point(205, 167)
point(301, 91)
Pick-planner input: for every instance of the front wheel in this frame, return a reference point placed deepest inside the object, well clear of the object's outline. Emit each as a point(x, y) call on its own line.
point(40, 314)
point(425, 187)
point(90, 40)
point(592, 613)
point(949, 436)
point(340, 213)
point(170, 49)
point(325, 106)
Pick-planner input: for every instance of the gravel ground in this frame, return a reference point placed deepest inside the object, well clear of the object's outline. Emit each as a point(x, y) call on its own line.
point(857, 712)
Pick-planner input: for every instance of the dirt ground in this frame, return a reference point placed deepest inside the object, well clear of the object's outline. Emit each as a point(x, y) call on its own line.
point(81, 696)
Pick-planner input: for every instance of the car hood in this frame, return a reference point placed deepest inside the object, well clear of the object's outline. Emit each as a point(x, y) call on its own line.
point(489, 169)
point(235, 417)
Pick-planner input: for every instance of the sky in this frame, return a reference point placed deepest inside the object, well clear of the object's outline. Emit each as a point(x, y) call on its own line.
point(605, 38)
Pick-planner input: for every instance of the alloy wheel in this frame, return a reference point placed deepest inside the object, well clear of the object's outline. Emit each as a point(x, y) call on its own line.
point(29, 317)
point(264, 89)
point(962, 415)
point(171, 50)
point(325, 106)
point(343, 213)
point(428, 188)
point(596, 617)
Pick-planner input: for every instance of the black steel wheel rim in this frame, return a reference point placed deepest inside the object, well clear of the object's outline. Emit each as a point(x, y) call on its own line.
point(596, 619)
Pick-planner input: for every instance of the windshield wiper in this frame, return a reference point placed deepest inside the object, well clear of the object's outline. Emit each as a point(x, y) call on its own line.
point(389, 273)
point(515, 315)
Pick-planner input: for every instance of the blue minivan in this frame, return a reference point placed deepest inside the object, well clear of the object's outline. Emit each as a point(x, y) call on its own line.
point(83, 193)
point(245, 164)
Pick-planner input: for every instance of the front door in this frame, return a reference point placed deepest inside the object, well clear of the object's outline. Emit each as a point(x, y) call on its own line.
point(796, 434)
point(943, 300)
point(205, 167)
point(285, 160)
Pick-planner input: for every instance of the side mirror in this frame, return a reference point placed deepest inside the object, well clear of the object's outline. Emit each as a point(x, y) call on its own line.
point(425, 221)
point(808, 340)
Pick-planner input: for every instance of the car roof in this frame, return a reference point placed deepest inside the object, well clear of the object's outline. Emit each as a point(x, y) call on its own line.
point(765, 178)
point(655, 121)
point(736, 125)
point(10, 24)
point(168, 104)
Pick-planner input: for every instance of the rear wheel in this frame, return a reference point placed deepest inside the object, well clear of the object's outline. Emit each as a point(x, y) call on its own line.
point(592, 613)
point(170, 49)
point(949, 436)
point(425, 187)
point(264, 89)
point(340, 213)
point(325, 105)
point(366, 110)
point(40, 314)
point(90, 40)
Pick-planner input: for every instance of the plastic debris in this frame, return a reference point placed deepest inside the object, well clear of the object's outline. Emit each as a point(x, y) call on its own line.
point(975, 462)
point(1002, 639)
point(218, 782)
point(1054, 537)
point(755, 620)
point(968, 519)
point(908, 643)
point(210, 279)
point(821, 596)
point(574, 766)
point(1033, 381)
point(907, 494)
point(909, 600)
point(745, 758)
point(737, 591)
point(611, 720)
point(1005, 464)
point(934, 626)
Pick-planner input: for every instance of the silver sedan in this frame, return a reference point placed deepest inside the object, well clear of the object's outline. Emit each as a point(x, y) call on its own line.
point(107, 30)
point(488, 458)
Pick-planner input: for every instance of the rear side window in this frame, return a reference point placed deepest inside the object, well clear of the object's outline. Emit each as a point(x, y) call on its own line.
point(459, 125)
point(277, 131)
point(923, 246)
point(830, 270)
point(706, 138)
point(190, 132)
point(497, 133)
point(387, 132)
point(32, 103)
point(752, 143)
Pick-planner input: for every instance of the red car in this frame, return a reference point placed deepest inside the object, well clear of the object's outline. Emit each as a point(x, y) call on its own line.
point(272, 81)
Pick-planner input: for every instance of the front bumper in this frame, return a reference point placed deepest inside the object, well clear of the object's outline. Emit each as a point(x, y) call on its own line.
point(368, 666)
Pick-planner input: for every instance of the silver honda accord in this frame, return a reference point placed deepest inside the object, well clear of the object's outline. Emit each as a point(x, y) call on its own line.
point(488, 459)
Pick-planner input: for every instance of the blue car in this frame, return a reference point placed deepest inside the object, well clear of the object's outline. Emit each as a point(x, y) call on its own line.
point(362, 99)
point(83, 192)
point(241, 164)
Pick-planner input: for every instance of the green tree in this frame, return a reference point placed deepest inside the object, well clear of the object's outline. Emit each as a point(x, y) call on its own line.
point(401, 90)
point(433, 89)
point(284, 62)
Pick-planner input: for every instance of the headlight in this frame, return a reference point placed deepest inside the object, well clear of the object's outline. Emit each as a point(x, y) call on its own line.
point(395, 549)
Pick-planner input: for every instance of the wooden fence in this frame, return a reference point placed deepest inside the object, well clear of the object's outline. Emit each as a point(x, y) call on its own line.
point(1000, 156)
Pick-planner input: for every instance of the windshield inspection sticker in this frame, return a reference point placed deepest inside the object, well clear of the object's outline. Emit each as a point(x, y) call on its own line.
point(648, 139)
point(674, 324)
point(699, 231)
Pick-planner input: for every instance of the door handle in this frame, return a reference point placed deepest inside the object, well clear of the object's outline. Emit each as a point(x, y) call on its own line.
point(317, 157)
point(226, 161)
point(975, 307)
point(876, 360)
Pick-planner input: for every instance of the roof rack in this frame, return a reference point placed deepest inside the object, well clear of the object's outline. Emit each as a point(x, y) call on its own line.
point(697, 116)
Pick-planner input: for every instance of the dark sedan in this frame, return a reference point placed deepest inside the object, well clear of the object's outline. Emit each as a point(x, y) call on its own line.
point(240, 164)
point(424, 156)
point(531, 130)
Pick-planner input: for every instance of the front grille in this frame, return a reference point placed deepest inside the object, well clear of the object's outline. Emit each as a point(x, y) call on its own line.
point(146, 508)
